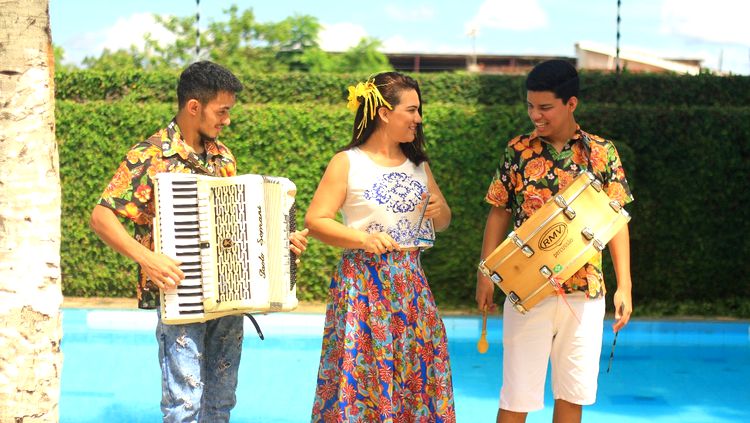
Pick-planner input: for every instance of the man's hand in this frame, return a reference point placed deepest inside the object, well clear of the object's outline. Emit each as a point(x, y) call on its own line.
point(485, 290)
point(298, 242)
point(623, 309)
point(162, 270)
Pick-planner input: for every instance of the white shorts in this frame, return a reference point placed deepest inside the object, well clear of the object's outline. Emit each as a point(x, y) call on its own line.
point(549, 332)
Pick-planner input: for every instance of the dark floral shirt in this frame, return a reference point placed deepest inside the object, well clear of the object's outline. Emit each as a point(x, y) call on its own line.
point(533, 171)
point(130, 192)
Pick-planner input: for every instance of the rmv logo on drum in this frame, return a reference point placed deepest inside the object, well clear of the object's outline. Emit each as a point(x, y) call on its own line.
point(553, 236)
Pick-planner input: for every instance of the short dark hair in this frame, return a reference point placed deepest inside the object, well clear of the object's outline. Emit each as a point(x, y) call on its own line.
point(391, 85)
point(203, 81)
point(558, 76)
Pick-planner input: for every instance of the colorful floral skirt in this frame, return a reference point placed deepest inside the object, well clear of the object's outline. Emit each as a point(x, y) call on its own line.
point(385, 355)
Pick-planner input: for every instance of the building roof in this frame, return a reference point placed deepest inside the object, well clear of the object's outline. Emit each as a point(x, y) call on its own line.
point(484, 63)
point(589, 55)
point(688, 66)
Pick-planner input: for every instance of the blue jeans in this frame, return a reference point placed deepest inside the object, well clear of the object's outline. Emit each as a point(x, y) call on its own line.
point(199, 365)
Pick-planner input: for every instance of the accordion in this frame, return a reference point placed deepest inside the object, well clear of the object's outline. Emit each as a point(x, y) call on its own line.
point(231, 236)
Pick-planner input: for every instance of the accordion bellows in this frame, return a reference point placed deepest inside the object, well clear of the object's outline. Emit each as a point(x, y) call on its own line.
point(231, 236)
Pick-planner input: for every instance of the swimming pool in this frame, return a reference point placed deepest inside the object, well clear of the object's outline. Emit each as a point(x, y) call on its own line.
point(663, 372)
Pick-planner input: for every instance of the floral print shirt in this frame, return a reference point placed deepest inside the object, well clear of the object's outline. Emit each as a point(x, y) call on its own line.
point(130, 192)
point(533, 171)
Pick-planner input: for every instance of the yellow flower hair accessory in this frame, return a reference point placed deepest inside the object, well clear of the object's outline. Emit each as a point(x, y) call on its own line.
point(372, 98)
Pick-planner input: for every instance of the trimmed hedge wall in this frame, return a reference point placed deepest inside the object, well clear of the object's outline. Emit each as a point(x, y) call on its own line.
point(687, 163)
point(454, 88)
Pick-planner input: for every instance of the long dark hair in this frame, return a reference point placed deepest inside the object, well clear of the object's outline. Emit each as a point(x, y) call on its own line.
point(391, 85)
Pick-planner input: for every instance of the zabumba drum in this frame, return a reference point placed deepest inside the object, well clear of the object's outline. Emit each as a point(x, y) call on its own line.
point(555, 242)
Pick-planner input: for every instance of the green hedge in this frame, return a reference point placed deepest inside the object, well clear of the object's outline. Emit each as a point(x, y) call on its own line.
point(454, 88)
point(688, 167)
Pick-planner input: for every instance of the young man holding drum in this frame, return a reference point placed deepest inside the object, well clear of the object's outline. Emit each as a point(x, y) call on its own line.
point(564, 329)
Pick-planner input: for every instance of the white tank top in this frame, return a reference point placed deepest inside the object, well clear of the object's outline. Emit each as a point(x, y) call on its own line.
point(387, 199)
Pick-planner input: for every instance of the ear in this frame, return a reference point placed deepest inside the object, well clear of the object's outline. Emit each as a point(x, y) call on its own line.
point(572, 104)
point(193, 107)
point(383, 113)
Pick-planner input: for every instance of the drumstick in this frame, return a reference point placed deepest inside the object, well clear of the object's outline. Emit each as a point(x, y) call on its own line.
point(424, 209)
point(483, 345)
point(421, 218)
point(612, 354)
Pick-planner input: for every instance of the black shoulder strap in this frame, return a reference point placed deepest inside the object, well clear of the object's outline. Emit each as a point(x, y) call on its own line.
point(192, 161)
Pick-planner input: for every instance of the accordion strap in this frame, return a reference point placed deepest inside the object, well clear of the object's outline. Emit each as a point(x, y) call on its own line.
point(192, 159)
point(255, 323)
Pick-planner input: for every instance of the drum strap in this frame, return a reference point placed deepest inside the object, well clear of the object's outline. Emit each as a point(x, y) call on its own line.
point(557, 283)
point(587, 145)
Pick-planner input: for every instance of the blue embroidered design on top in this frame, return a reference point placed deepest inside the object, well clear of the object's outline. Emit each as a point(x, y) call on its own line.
point(399, 192)
point(374, 227)
point(404, 233)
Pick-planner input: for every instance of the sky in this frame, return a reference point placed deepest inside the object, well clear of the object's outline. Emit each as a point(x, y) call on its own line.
point(715, 31)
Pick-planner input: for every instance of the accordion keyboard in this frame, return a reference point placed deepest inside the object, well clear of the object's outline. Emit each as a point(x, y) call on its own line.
point(181, 202)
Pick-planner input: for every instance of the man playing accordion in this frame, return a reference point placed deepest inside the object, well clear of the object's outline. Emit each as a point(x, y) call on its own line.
point(199, 361)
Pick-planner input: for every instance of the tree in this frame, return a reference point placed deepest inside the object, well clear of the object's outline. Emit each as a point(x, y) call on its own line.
point(295, 37)
point(30, 294)
point(245, 45)
point(241, 43)
point(365, 57)
point(116, 60)
point(59, 57)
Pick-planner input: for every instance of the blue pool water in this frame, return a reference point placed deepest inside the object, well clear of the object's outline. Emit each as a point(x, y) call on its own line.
point(663, 372)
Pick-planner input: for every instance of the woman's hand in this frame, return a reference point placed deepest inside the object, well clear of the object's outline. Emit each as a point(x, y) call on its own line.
point(380, 243)
point(435, 206)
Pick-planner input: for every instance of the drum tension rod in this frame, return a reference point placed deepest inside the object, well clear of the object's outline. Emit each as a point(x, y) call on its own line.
point(516, 301)
point(544, 270)
point(560, 201)
point(589, 235)
point(617, 207)
point(494, 277)
point(525, 249)
point(599, 245)
point(516, 239)
point(563, 204)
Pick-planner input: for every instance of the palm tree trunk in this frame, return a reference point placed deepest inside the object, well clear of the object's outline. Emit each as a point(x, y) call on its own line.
point(30, 291)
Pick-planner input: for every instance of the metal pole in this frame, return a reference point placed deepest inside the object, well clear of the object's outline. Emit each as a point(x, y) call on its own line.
point(617, 46)
point(197, 30)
